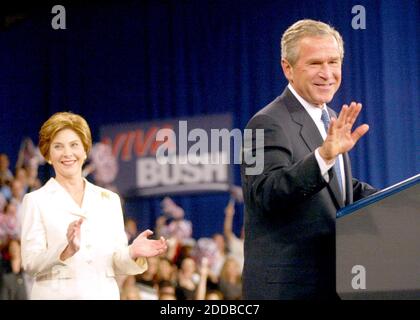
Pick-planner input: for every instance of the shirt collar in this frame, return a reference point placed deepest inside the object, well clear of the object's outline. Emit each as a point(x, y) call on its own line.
point(53, 186)
point(314, 112)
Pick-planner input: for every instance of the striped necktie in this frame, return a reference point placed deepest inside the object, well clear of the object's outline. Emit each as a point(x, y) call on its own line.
point(326, 121)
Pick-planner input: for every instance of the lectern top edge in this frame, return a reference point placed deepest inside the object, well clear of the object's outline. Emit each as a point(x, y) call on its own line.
point(384, 193)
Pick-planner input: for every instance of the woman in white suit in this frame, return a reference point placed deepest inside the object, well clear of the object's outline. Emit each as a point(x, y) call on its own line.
point(73, 238)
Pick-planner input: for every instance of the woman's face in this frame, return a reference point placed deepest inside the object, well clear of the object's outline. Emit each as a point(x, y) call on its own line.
point(165, 268)
point(67, 154)
point(188, 266)
point(11, 209)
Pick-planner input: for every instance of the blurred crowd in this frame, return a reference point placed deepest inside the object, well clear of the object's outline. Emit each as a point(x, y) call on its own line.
point(191, 269)
point(14, 283)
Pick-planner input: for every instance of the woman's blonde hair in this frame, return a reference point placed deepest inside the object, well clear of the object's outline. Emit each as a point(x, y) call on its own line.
point(58, 122)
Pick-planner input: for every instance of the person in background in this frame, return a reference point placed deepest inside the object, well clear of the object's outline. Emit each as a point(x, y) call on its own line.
point(12, 283)
point(166, 290)
point(230, 281)
point(205, 289)
point(234, 244)
point(166, 271)
point(6, 175)
point(149, 277)
point(130, 227)
point(73, 239)
point(188, 280)
point(220, 257)
point(129, 289)
point(21, 175)
point(173, 225)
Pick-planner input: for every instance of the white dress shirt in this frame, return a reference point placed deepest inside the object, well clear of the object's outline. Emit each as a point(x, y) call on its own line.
point(315, 113)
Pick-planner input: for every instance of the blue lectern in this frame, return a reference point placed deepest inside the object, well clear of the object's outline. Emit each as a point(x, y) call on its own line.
point(378, 245)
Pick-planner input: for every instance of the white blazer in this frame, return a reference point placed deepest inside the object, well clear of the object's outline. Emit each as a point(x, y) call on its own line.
point(90, 273)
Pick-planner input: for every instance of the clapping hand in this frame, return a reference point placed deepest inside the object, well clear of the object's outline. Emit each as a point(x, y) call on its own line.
point(144, 247)
point(73, 239)
point(73, 234)
point(340, 138)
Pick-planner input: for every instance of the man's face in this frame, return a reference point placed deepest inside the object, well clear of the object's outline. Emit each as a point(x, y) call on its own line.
point(316, 75)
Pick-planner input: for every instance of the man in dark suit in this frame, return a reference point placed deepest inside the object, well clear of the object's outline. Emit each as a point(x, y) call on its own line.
point(290, 207)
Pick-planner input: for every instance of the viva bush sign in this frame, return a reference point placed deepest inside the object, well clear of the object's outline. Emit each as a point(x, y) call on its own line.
point(187, 155)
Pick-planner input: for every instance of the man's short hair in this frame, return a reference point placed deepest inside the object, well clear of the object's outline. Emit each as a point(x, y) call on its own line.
point(306, 28)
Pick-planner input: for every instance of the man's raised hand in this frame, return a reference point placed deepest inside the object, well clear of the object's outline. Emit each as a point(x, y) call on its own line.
point(340, 138)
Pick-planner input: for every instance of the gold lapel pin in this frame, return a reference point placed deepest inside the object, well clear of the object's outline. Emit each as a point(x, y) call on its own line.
point(105, 194)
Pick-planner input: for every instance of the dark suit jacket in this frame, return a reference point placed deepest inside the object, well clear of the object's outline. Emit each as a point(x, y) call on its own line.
point(290, 210)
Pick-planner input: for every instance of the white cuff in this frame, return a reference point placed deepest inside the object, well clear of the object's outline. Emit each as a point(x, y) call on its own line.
point(124, 264)
point(323, 166)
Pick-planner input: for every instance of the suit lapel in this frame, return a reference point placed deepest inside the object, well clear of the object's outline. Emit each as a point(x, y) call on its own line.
point(349, 178)
point(92, 199)
point(309, 131)
point(335, 190)
point(66, 199)
point(311, 137)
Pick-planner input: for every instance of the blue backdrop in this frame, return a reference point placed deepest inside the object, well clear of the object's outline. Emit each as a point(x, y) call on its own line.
point(134, 61)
